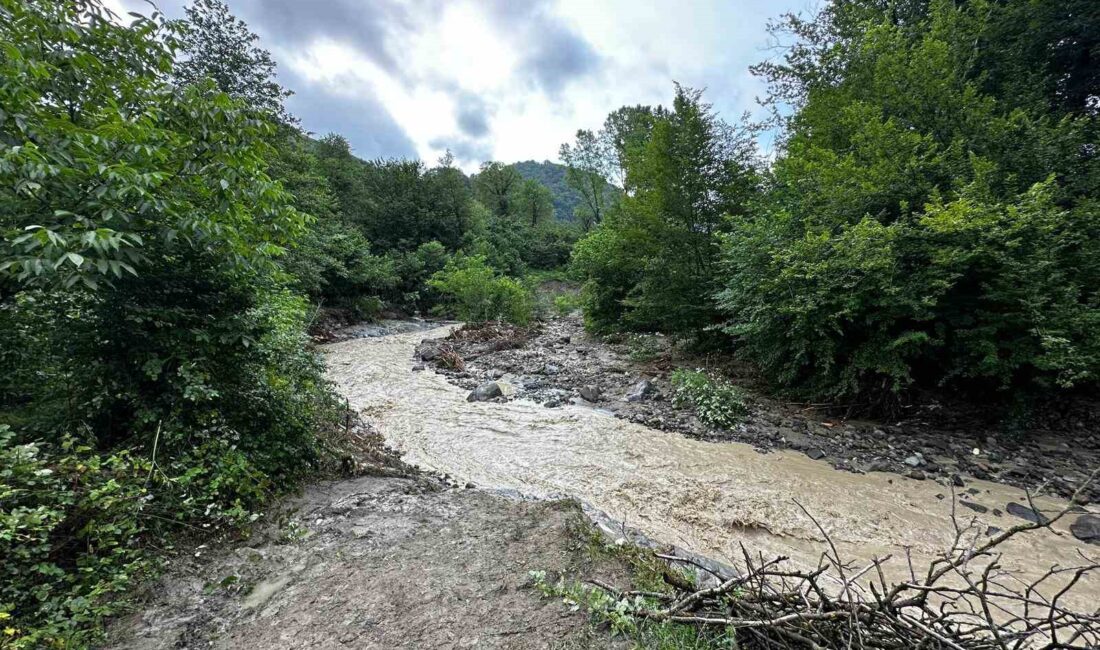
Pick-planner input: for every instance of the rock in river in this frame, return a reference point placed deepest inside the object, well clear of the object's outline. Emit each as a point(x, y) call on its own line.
point(590, 393)
point(1024, 512)
point(641, 391)
point(489, 390)
point(1086, 529)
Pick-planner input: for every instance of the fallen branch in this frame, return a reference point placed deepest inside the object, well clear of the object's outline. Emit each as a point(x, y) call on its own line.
point(960, 603)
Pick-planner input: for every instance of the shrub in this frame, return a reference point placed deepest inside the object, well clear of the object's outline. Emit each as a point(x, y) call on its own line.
point(144, 320)
point(716, 401)
point(567, 303)
point(971, 292)
point(475, 293)
point(70, 527)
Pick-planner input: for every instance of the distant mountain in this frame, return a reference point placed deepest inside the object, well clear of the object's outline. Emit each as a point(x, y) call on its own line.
point(552, 175)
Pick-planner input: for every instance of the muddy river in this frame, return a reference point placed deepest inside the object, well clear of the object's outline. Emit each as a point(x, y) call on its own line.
point(705, 497)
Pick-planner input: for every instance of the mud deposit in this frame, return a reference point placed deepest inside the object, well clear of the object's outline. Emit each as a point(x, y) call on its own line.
point(704, 496)
point(378, 563)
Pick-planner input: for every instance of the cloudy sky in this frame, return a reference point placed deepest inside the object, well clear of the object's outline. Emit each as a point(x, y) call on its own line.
point(499, 79)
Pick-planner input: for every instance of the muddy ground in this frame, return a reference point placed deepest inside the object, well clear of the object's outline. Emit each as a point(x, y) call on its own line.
point(557, 362)
point(398, 558)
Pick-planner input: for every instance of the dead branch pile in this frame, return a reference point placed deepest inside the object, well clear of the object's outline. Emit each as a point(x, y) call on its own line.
point(499, 335)
point(964, 600)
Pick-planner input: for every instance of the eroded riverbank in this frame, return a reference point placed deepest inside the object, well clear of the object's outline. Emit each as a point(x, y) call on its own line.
point(703, 496)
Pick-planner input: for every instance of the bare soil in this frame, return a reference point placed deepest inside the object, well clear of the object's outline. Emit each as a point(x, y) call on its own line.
point(379, 563)
point(556, 362)
point(398, 558)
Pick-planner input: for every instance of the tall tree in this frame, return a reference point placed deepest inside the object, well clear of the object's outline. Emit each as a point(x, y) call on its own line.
point(496, 185)
point(533, 203)
point(589, 164)
point(217, 45)
point(652, 264)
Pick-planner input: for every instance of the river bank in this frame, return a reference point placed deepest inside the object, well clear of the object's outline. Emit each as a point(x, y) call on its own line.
point(558, 363)
point(436, 548)
point(396, 559)
point(703, 496)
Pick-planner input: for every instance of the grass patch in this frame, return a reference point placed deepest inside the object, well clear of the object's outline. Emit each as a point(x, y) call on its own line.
point(618, 612)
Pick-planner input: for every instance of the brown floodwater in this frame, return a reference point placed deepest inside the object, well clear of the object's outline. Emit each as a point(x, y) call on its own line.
point(703, 496)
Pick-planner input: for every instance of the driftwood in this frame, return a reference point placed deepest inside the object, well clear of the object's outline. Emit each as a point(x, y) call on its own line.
point(957, 602)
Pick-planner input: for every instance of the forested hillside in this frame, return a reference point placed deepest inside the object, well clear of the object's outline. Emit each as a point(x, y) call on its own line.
point(552, 176)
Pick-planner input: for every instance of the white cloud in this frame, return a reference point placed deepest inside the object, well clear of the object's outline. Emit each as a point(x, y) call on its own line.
point(503, 78)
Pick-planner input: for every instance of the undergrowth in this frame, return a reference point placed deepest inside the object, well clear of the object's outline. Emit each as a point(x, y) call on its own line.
point(716, 401)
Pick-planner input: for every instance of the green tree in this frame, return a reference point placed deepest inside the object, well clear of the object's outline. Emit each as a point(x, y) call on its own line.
point(691, 173)
point(496, 185)
point(588, 164)
point(533, 203)
point(142, 308)
point(215, 44)
point(918, 191)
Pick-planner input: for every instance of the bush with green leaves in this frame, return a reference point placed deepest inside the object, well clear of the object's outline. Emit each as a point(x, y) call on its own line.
point(474, 292)
point(924, 226)
point(716, 401)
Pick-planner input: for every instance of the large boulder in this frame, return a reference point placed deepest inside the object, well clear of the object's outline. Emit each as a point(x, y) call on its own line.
point(430, 350)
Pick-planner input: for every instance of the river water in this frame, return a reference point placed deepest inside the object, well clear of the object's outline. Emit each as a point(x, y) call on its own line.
point(706, 497)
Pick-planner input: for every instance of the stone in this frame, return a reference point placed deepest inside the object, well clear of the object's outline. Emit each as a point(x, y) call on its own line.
point(815, 454)
point(590, 393)
point(1086, 528)
point(430, 352)
point(992, 530)
point(881, 466)
point(916, 475)
point(916, 460)
point(485, 392)
point(957, 480)
point(976, 507)
point(1024, 512)
point(641, 391)
point(550, 369)
point(419, 367)
point(495, 373)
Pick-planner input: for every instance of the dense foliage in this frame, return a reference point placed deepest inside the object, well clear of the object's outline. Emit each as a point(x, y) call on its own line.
point(652, 264)
point(142, 313)
point(930, 218)
point(474, 292)
point(165, 229)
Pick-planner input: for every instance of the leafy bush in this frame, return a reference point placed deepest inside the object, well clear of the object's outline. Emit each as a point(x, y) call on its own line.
point(567, 303)
point(52, 510)
point(716, 401)
point(924, 228)
point(475, 293)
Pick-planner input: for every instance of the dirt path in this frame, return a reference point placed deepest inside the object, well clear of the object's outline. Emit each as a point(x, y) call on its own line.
point(378, 563)
point(706, 497)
